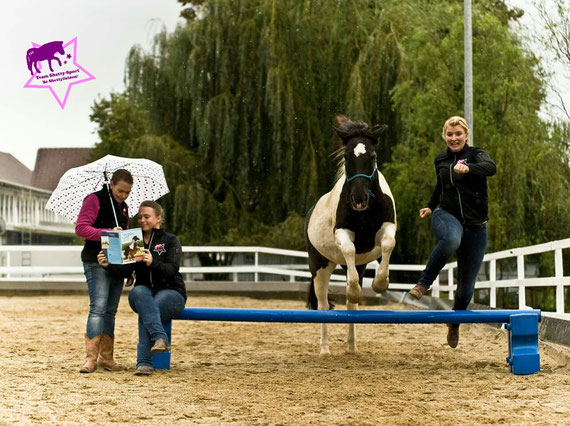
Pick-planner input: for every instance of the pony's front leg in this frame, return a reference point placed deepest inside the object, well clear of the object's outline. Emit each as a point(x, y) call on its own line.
point(322, 292)
point(351, 339)
point(386, 239)
point(344, 240)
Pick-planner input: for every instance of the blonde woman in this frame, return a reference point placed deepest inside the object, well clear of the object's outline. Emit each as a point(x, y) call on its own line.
point(459, 210)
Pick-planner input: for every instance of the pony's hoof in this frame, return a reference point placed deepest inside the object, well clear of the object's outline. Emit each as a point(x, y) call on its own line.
point(354, 298)
point(325, 353)
point(379, 285)
point(350, 351)
point(354, 294)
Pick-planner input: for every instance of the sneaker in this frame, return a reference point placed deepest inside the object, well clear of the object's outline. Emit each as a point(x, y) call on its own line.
point(144, 370)
point(452, 335)
point(160, 345)
point(418, 291)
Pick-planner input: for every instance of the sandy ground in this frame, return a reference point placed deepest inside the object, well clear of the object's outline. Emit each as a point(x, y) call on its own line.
point(241, 373)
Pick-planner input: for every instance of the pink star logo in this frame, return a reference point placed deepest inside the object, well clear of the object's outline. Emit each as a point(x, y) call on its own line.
point(60, 80)
point(159, 248)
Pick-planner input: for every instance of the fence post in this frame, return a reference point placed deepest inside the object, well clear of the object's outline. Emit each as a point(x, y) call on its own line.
point(559, 273)
point(450, 284)
point(520, 277)
point(493, 279)
point(255, 274)
point(435, 288)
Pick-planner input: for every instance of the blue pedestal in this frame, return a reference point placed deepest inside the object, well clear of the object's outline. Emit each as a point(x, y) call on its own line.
point(162, 361)
point(523, 344)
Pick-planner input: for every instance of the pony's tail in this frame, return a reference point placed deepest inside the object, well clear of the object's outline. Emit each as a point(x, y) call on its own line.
point(312, 302)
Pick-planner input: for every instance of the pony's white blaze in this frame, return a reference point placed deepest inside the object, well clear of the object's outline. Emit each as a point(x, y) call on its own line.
point(359, 149)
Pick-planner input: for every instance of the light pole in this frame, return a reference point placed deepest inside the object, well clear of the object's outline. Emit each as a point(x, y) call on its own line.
point(468, 67)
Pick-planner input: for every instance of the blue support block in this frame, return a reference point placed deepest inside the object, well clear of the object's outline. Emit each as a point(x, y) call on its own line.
point(162, 361)
point(523, 344)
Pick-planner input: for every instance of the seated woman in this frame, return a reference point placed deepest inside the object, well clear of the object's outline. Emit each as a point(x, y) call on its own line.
point(159, 293)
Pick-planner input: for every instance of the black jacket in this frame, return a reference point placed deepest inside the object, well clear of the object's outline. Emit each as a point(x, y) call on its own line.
point(163, 272)
point(464, 195)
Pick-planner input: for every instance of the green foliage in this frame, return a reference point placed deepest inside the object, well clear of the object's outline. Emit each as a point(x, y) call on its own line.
point(238, 105)
point(119, 122)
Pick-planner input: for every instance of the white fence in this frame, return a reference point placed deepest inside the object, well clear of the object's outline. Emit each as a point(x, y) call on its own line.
point(258, 264)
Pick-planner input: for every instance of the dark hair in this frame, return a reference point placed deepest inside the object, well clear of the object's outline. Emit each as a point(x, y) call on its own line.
point(122, 175)
point(158, 210)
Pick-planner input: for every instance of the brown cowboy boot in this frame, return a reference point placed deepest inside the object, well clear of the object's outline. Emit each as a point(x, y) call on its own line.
point(91, 353)
point(105, 359)
point(418, 291)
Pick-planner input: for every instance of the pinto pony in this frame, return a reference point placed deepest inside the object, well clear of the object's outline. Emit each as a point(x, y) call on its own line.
point(132, 249)
point(352, 225)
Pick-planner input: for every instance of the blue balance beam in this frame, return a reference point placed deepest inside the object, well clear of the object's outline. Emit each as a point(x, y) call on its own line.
point(522, 325)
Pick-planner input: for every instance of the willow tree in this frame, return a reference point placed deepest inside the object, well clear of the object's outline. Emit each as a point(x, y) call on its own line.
point(252, 89)
point(241, 102)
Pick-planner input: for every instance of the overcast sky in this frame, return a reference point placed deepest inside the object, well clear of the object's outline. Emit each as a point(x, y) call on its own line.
point(31, 118)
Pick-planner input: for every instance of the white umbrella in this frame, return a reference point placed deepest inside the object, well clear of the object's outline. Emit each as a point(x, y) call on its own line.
point(149, 184)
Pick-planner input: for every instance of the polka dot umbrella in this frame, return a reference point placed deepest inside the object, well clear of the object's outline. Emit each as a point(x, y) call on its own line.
point(77, 183)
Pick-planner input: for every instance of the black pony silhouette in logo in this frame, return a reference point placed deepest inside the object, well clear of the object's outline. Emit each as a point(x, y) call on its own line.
point(45, 52)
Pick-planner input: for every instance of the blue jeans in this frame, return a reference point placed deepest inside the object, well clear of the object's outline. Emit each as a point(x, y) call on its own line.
point(153, 310)
point(468, 241)
point(104, 295)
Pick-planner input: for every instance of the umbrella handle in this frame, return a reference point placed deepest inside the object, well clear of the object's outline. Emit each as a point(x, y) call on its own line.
point(112, 204)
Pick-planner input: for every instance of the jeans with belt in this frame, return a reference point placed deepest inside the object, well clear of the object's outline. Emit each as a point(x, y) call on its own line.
point(468, 241)
point(153, 308)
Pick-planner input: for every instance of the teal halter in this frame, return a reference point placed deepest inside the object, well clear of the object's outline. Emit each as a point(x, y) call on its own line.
point(369, 177)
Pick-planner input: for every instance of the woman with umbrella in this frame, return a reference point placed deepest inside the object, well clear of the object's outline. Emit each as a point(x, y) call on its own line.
point(159, 293)
point(102, 210)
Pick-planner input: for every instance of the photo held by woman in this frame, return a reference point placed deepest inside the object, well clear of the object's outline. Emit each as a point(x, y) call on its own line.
point(159, 292)
point(459, 209)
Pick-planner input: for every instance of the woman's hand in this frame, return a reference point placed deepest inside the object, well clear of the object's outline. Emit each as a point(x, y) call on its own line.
point(102, 260)
point(426, 211)
point(117, 228)
point(461, 168)
point(147, 259)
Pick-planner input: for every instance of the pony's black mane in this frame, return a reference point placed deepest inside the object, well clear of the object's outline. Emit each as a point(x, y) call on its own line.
point(354, 128)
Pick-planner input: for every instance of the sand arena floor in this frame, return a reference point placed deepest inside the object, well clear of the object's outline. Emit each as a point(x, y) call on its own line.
point(241, 373)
